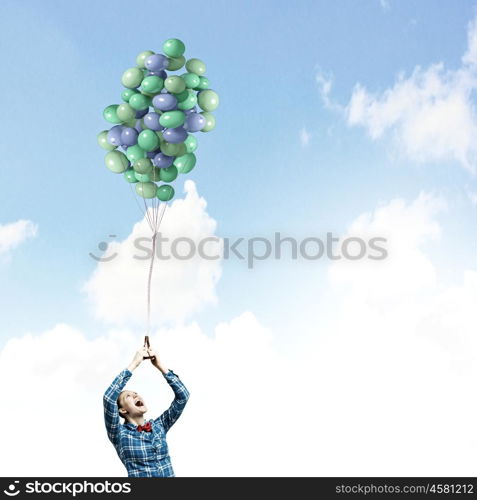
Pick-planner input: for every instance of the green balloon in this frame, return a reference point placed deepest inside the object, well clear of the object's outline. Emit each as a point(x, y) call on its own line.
point(175, 84)
point(172, 119)
point(190, 143)
point(209, 121)
point(130, 176)
point(142, 177)
point(168, 174)
point(102, 141)
point(203, 83)
point(148, 140)
point(125, 112)
point(185, 163)
point(189, 102)
point(191, 80)
point(139, 101)
point(146, 189)
point(143, 166)
point(173, 47)
point(127, 94)
point(130, 123)
point(132, 78)
point(165, 192)
point(208, 100)
point(182, 96)
point(134, 153)
point(152, 84)
point(116, 162)
point(142, 56)
point(110, 114)
point(172, 149)
point(195, 66)
point(176, 63)
point(155, 175)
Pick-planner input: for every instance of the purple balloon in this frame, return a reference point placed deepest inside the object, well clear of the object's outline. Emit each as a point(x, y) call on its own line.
point(151, 120)
point(156, 62)
point(114, 135)
point(138, 126)
point(162, 161)
point(190, 111)
point(142, 112)
point(164, 102)
point(162, 74)
point(194, 122)
point(151, 154)
point(175, 135)
point(129, 136)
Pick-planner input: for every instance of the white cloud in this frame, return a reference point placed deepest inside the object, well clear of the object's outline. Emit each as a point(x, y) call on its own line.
point(325, 84)
point(15, 233)
point(305, 137)
point(430, 113)
point(117, 288)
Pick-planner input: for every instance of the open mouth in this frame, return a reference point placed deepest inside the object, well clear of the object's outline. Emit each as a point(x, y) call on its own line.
point(139, 403)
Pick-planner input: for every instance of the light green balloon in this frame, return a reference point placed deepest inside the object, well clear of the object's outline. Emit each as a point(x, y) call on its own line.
point(143, 166)
point(185, 163)
point(173, 47)
point(152, 84)
point(190, 143)
point(146, 189)
point(176, 63)
point(195, 66)
point(103, 142)
point(165, 192)
point(142, 56)
point(139, 102)
point(126, 94)
point(170, 149)
point(191, 80)
point(175, 84)
point(168, 174)
point(208, 100)
point(116, 162)
point(110, 114)
point(130, 176)
point(148, 140)
point(142, 177)
point(131, 123)
point(125, 112)
point(203, 84)
point(189, 102)
point(132, 78)
point(134, 153)
point(172, 119)
point(209, 121)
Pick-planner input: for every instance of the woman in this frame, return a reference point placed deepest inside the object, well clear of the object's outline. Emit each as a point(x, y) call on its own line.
point(141, 444)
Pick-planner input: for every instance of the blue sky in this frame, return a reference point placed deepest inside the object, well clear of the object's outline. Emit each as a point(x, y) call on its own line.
point(63, 62)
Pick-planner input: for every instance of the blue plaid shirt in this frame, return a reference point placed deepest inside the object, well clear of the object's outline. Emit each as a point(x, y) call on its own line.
point(144, 454)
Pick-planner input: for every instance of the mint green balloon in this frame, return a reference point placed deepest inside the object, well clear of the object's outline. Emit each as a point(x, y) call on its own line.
point(146, 189)
point(134, 153)
point(195, 66)
point(189, 102)
point(190, 143)
point(168, 174)
point(132, 78)
point(110, 114)
point(203, 83)
point(152, 84)
point(130, 176)
point(172, 149)
point(148, 140)
point(142, 56)
point(172, 119)
point(125, 112)
point(175, 84)
point(176, 63)
point(139, 101)
point(208, 100)
point(209, 121)
point(173, 47)
point(143, 166)
point(185, 163)
point(191, 80)
point(102, 141)
point(155, 175)
point(126, 94)
point(116, 162)
point(142, 177)
point(165, 192)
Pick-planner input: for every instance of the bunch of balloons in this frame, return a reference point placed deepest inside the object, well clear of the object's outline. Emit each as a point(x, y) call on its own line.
point(154, 126)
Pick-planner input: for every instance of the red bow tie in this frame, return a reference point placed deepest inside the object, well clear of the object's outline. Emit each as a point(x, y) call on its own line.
point(146, 427)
